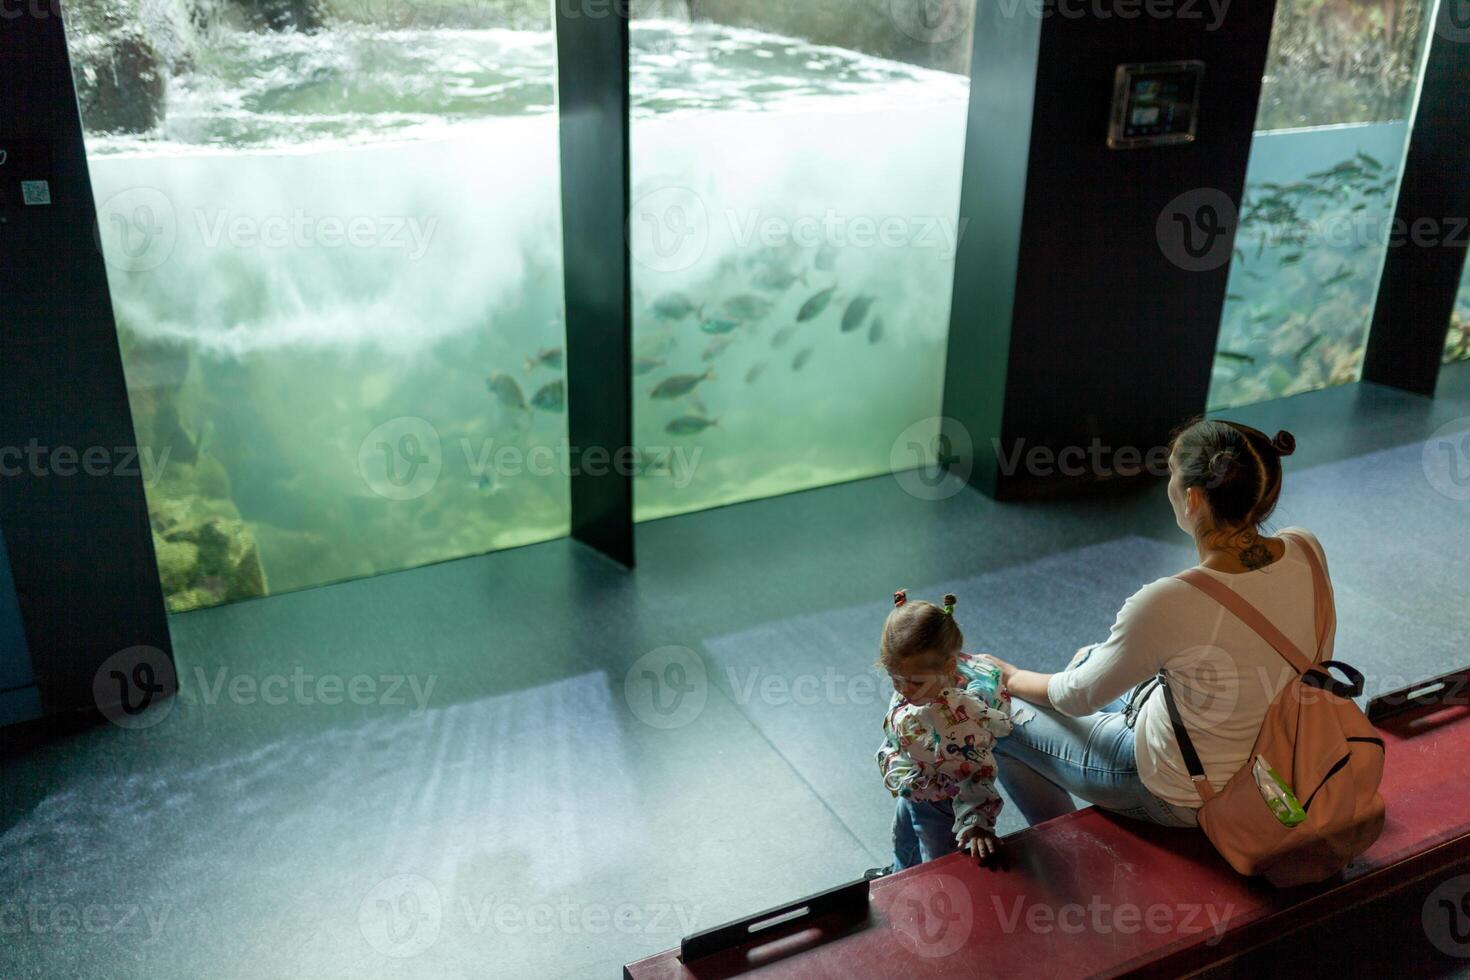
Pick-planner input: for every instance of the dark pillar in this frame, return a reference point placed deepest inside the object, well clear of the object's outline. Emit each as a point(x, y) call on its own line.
point(19, 699)
point(79, 543)
point(592, 58)
point(1077, 321)
point(1422, 274)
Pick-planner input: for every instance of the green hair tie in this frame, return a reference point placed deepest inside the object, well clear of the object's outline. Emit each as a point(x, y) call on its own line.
point(949, 603)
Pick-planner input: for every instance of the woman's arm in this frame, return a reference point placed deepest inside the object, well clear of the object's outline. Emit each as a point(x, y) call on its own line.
point(1134, 650)
point(1028, 685)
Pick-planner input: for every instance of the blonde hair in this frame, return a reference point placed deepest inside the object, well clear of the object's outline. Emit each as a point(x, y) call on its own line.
point(919, 628)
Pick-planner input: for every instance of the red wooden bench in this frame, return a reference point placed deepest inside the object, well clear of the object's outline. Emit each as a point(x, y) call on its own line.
point(1090, 894)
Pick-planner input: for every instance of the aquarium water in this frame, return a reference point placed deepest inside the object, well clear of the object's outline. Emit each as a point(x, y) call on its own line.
point(336, 270)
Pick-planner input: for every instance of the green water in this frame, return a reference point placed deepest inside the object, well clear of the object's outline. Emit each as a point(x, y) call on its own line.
point(336, 268)
point(840, 199)
point(1315, 224)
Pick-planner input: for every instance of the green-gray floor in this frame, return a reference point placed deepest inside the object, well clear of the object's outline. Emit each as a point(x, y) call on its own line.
point(528, 794)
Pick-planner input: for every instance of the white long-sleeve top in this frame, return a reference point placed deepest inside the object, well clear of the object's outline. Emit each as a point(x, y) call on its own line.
point(1224, 675)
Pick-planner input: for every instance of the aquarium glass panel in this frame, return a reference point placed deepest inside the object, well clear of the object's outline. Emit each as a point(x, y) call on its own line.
point(794, 225)
point(1457, 344)
point(1317, 213)
point(332, 232)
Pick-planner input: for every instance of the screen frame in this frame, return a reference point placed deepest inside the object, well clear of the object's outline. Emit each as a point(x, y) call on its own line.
point(1122, 87)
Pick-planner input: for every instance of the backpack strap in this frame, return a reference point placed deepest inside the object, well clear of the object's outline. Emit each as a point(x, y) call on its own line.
point(1249, 615)
point(1325, 614)
point(1186, 744)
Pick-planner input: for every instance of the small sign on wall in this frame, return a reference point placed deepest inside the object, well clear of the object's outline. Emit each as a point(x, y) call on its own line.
point(1155, 104)
point(35, 192)
point(25, 171)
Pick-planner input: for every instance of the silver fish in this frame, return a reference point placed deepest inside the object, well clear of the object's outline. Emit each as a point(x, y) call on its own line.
point(680, 385)
point(802, 356)
point(875, 332)
point(813, 307)
point(783, 337)
point(507, 391)
point(716, 347)
point(656, 463)
point(673, 306)
point(857, 312)
point(552, 397)
point(546, 357)
point(755, 372)
point(689, 425)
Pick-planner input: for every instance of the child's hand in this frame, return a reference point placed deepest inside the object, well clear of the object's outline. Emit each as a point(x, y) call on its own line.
point(982, 845)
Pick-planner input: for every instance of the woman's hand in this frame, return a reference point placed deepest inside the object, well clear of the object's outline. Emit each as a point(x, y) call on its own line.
point(1027, 685)
point(982, 845)
point(1007, 671)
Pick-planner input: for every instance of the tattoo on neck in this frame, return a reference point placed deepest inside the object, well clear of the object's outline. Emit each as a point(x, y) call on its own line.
point(1256, 555)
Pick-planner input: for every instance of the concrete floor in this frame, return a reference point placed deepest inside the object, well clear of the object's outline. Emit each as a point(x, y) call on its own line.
point(556, 767)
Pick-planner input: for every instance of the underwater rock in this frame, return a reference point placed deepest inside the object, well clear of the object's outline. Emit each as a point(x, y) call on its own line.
point(227, 550)
point(168, 432)
point(1457, 342)
point(304, 16)
point(120, 83)
point(204, 563)
point(211, 479)
point(177, 561)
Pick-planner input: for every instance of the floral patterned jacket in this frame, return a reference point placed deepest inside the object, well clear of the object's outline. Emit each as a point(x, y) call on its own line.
point(942, 751)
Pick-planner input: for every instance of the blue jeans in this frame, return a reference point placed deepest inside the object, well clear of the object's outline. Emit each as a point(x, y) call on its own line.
point(1050, 758)
point(1043, 763)
point(922, 832)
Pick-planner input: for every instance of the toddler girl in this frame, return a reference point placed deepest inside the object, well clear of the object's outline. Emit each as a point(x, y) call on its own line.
point(947, 711)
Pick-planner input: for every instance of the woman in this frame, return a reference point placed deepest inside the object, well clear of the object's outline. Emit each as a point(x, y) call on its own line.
point(1101, 730)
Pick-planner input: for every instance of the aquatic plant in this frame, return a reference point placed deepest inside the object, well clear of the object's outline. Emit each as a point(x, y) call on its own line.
point(1457, 342)
point(1342, 61)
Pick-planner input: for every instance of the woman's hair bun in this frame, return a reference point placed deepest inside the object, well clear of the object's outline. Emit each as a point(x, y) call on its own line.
point(1284, 443)
point(900, 597)
point(950, 599)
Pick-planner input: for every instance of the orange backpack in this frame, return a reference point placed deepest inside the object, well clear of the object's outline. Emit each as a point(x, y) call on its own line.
point(1316, 737)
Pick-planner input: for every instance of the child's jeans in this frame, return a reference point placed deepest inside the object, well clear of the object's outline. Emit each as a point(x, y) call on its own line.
point(922, 832)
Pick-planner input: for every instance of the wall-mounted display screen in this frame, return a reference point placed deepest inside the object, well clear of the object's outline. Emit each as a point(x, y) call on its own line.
point(1155, 104)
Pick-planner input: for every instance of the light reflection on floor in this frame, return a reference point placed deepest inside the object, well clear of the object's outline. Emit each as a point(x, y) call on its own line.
point(511, 799)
